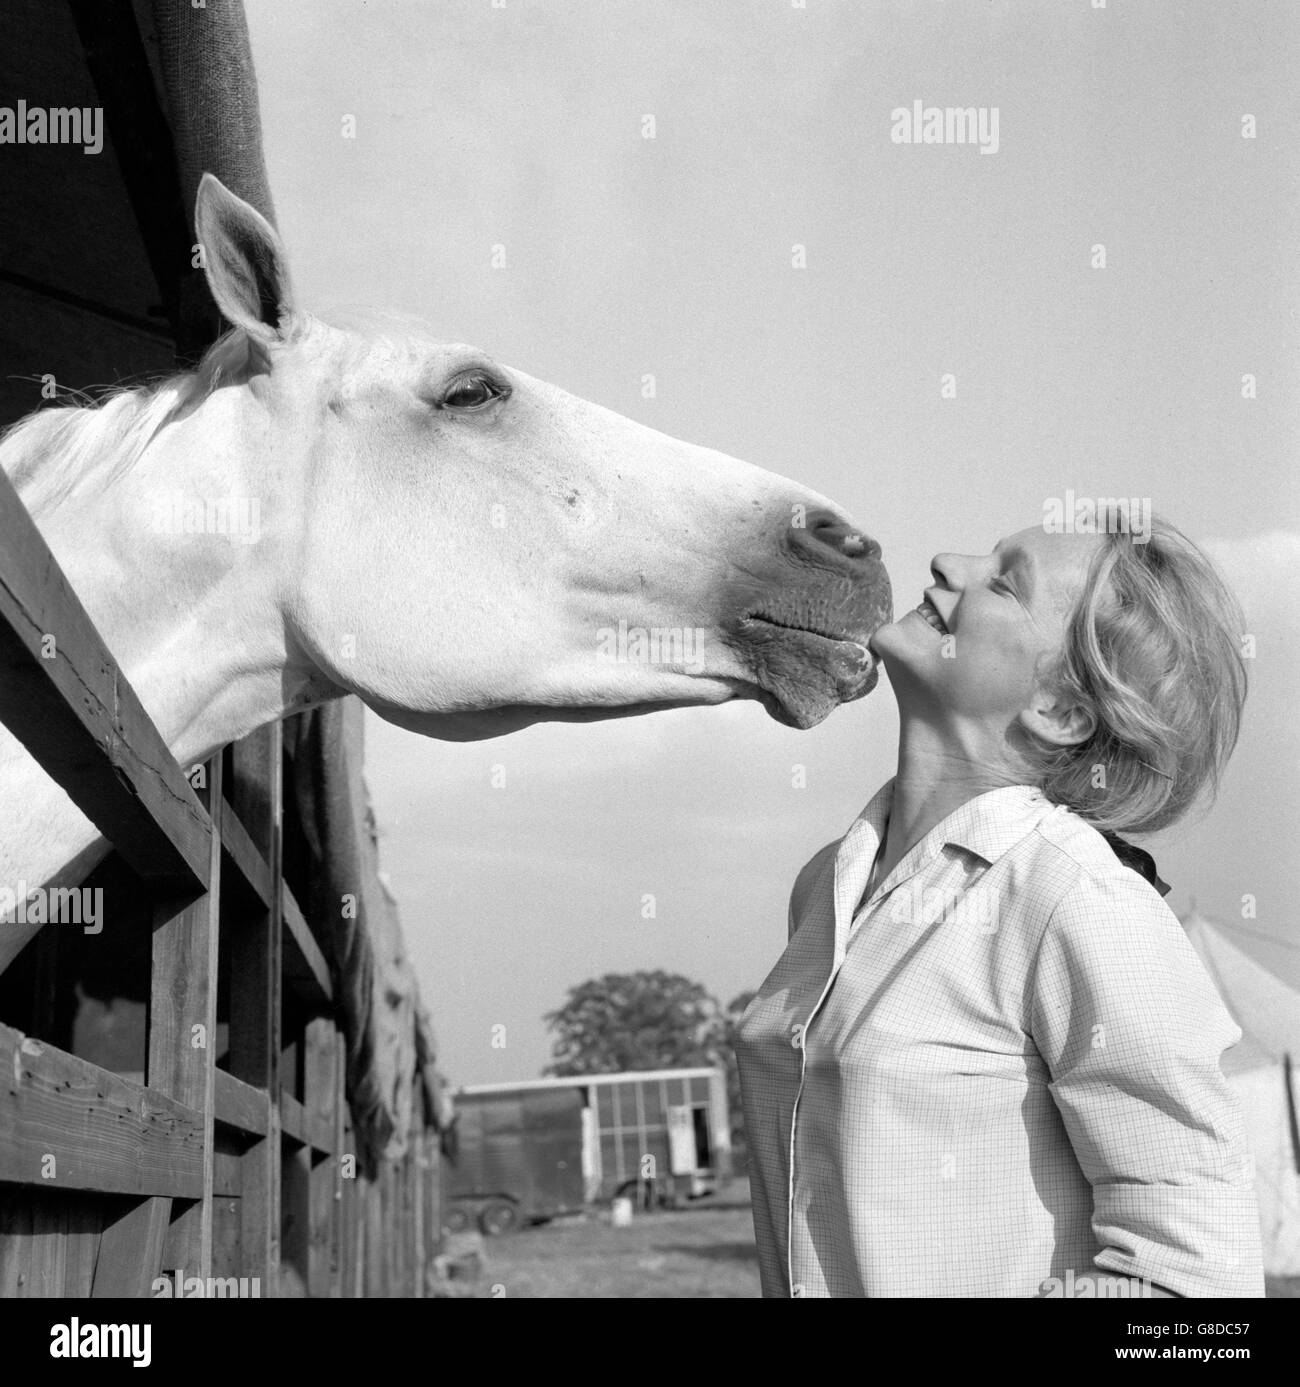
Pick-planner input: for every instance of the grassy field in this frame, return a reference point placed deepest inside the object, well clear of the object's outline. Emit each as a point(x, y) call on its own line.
point(704, 1251)
point(700, 1252)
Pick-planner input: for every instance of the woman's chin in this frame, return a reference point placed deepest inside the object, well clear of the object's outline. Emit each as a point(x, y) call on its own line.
point(890, 644)
point(909, 667)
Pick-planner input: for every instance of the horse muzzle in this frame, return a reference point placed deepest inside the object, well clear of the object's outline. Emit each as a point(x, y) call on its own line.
point(805, 638)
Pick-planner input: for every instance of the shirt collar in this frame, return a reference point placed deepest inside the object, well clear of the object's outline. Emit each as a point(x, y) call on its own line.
point(988, 825)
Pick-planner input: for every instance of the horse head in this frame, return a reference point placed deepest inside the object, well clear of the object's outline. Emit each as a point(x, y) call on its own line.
point(470, 549)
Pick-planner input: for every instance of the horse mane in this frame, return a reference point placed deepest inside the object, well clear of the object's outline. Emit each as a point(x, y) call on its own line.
point(86, 440)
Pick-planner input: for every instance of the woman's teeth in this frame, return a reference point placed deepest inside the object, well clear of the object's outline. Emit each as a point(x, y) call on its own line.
point(931, 617)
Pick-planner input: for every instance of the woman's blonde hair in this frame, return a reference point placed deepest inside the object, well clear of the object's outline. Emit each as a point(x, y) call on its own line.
point(1153, 651)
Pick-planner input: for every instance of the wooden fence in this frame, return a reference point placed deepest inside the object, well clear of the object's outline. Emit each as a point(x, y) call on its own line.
point(232, 1154)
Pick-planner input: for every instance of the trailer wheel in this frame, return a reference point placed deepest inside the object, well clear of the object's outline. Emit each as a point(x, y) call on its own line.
point(498, 1216)
point(456, 1219)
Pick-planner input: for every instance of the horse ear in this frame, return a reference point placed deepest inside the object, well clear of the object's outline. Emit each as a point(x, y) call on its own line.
point(245, 264)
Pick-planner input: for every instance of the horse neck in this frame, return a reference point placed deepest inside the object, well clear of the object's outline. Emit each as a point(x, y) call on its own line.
point(194, 620)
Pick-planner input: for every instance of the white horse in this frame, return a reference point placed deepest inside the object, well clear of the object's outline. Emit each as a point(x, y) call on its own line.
point(317, 511)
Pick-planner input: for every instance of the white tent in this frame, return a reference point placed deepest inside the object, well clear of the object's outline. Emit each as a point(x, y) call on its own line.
point(1264, 1070)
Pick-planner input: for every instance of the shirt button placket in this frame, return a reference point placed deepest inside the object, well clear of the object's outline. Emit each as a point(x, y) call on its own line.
point(797, 1043)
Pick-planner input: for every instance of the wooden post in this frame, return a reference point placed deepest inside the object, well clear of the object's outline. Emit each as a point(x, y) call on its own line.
point(295, 1211)
point(376, 1243)
point(405, 1228)
point(345, 1189)
point(131, 1251)
point(182, 1043)
point(255, 948)
point(318, 1103)
point(412, 1213)
point(85, 1225)
point(419, 1253)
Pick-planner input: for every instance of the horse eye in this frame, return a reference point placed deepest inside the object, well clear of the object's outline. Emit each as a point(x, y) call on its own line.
point(473, 392)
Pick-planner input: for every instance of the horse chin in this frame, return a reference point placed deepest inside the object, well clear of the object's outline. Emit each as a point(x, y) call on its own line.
point(800, 676)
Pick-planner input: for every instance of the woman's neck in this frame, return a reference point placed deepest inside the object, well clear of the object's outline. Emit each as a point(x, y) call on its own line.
point(937, 773)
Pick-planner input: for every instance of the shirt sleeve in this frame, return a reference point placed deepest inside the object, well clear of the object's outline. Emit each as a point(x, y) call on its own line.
point(803, 884)
point(1132, 1030)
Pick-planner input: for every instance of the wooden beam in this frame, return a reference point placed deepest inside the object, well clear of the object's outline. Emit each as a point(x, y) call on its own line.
point(63, 696)
point(240, 1105)
point(243, 854)
point(100, 1131)
point(306, 973)
point(293, 1119)
point(305, 969)
point(300, 1124)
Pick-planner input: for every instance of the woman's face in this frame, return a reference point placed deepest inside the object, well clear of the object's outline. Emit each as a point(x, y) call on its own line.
point(976, 645)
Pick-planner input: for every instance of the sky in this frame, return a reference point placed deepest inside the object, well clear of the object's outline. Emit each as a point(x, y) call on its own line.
point(521, 864)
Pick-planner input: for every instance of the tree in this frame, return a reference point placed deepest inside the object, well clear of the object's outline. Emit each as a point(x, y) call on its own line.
point(730, 1026)
point(635, 1021)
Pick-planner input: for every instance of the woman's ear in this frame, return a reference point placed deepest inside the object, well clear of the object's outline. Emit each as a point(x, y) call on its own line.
point(1056, 721)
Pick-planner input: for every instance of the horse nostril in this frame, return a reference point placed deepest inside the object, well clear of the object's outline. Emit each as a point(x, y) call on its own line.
point(824, 528)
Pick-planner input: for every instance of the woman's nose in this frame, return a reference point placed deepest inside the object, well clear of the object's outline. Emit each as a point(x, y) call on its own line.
point(946, 569)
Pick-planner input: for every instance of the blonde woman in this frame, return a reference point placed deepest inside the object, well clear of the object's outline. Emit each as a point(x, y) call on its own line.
point(987, 1063)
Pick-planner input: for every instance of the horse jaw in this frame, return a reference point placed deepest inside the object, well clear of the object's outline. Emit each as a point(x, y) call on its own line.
point(800, 703)
point(483, 724)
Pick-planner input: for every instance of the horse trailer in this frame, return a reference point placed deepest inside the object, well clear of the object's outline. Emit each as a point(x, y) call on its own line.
point(529, 1151)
